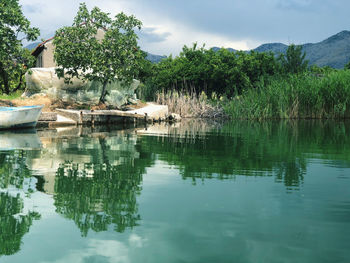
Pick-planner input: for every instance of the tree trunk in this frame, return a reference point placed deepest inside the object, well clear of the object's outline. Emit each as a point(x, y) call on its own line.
point(104, 92)
point(5, 80)
point(20, 82)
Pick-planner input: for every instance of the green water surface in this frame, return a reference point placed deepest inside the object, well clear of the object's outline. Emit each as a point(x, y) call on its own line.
point(193, 192)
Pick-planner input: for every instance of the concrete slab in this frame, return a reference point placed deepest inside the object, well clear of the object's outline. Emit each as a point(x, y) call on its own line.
point(151, 112)
point(61, 118)
point(48, 116)
point(61, 121)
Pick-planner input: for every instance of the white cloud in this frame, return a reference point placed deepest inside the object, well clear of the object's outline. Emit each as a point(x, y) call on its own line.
point(136, 241)
point(225, 23)
point(51, 15)
point(111, 251)
point(183, 35)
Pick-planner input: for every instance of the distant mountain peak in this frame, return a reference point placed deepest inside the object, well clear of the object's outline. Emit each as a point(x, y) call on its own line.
point(333, 51)
point(343, 35)
point(216, 49)
point(272, 47)
point(154, 58)
point(273, 44)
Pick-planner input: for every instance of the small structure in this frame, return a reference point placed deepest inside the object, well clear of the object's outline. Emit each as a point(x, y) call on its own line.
point(44, 52)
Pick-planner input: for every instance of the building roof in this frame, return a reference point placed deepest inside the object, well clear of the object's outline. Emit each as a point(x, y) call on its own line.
point(40, 47)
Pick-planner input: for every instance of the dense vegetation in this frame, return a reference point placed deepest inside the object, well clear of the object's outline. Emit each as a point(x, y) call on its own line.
point(251, 84)
point(14, 60)
point(198, 69)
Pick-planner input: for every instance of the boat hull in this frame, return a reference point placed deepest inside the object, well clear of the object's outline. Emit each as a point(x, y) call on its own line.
point(19, 117)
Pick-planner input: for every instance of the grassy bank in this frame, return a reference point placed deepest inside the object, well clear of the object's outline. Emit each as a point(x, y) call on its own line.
point(295, 96)
point(11, 96)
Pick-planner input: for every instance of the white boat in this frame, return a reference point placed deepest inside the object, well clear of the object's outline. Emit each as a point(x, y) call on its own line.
point(19, 117)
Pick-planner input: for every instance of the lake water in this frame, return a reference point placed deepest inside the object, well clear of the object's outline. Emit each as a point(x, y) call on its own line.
point(193, 192)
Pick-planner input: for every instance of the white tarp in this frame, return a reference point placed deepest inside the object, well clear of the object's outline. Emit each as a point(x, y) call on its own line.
point(45, 80)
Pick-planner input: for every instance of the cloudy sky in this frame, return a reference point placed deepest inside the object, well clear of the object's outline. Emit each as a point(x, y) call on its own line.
point(239, 24)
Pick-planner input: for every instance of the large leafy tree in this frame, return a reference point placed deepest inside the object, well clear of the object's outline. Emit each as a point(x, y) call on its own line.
point(294, 60)
point(14, 28)
point(79, 52)
point(223, 72)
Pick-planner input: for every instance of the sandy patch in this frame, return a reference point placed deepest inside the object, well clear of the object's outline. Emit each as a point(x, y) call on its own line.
point(35, 100)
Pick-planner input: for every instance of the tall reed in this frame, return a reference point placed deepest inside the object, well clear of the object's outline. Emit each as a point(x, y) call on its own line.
point(296, 96)
point(190, 104)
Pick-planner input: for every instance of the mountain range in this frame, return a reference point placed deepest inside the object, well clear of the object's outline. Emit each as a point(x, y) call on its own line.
point(154, 58)
point(333, 51)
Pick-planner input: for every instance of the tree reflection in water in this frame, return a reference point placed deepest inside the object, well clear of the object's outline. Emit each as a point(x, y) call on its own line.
point(281, 149)
point(100, 177)
point(13, 168)
point(96, 195)
point(14, 224)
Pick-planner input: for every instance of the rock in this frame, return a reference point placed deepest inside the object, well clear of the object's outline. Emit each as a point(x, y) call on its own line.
point(45, 80)
point(174, 117)
point(133, 101)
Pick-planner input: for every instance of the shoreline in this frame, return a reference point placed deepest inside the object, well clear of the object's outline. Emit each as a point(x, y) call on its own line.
point(150, 113)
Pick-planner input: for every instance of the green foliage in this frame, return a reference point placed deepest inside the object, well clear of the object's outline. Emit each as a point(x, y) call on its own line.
point(198, 69)
point(296, 96)
point(258, 86)
point(80, 53)
point(314, 69)
point(14, 60)
point(146, 69)
point(294, 60)
point(347, 66)
point(13, 95)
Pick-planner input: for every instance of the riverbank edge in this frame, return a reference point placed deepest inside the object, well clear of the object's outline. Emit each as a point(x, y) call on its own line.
point(150, 113)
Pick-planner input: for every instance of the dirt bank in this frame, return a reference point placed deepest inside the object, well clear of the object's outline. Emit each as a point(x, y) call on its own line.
point(50, 105)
